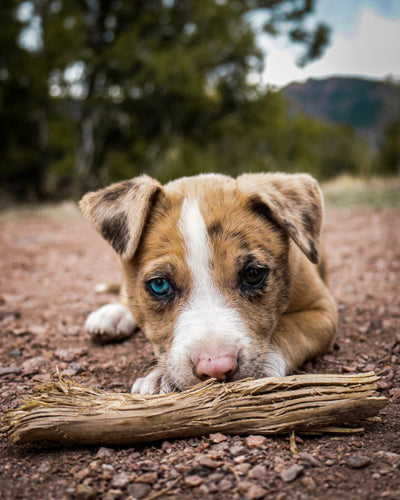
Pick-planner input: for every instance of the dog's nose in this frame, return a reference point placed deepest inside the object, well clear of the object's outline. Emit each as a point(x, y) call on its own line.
point(221, 367)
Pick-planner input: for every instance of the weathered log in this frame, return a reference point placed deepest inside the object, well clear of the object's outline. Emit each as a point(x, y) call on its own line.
point(68, 412)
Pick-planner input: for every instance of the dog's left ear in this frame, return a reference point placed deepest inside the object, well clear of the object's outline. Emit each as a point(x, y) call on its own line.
point(119, 212)
point(293, 201)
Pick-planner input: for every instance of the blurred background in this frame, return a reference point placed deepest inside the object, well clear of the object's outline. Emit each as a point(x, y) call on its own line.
point(94, 91)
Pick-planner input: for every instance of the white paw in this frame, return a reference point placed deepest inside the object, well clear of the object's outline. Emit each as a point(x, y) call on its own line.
point(110, 323)
point(153, 383)
point(275, 363)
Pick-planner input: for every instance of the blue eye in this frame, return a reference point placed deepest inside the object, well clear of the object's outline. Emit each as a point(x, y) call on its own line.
point(160, 287)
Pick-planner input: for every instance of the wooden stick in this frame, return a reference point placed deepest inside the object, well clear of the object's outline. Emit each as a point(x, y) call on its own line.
point(68, 412)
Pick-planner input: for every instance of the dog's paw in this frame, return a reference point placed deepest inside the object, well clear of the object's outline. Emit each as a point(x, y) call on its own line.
point(275, 363)
point(110, 323)
point(153, 383)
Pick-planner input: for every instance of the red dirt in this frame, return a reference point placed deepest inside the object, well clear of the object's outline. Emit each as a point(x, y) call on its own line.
point(48, 271)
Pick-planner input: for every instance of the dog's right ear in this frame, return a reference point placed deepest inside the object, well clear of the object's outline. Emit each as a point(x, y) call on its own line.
point(119, 212)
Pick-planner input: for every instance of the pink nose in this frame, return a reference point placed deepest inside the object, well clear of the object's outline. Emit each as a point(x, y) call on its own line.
point(221, 367)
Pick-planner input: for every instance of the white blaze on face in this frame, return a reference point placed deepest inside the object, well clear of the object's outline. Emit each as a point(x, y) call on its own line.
point(207, 326)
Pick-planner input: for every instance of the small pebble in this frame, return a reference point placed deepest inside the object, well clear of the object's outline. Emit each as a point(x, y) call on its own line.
point(72, 370)
point(10, 370)
point(104, 452)
point(258, 472)
point(15, 353)
point(217, 437)
point(120, 480)
point(84, 492)
point(44, 467)
point(138, 490)
point(206, 461)
point(225, 485)
point(193, 481)
point(32, 366)
point(82, 474)
point(237, 450)
point(255, 441)
point(148, 478)
point(358, 461)
point(291, 473)
point(242, 469)
point(251, 491)
point(309, 459)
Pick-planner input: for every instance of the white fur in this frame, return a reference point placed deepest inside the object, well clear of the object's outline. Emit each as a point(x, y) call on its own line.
point(111, 319)
point(153, 383)
point(275, 364)
point(207, 325)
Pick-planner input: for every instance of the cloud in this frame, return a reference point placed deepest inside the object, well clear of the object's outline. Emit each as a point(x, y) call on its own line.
point(369, 50)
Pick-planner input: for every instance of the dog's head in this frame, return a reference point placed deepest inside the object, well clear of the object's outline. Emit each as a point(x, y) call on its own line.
point(206, 264)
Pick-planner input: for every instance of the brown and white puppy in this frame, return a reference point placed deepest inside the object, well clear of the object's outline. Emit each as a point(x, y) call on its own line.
point(221, 274)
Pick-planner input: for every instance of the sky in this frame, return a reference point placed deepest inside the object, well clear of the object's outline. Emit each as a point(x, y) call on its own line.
point(365, 42)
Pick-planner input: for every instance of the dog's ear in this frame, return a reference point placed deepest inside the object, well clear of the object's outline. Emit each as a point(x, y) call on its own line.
point(118, 212)
point(293, 201)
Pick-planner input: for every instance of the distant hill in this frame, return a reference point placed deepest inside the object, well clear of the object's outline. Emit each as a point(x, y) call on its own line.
point(366, 104)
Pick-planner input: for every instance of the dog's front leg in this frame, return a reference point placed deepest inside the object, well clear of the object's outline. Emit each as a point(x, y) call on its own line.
point(111, 323)
point(302, 335)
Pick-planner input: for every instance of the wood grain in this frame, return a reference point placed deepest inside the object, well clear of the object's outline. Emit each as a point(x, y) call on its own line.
point(68, 412)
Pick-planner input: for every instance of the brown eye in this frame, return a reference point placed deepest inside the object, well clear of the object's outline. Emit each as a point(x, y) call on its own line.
point(254, 276)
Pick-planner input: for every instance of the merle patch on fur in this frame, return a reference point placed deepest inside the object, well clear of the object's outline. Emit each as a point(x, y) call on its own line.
point(118, 191)
point(115, 230)
point(215, 229)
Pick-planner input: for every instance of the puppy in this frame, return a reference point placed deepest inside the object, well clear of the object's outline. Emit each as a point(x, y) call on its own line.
point(223, 275)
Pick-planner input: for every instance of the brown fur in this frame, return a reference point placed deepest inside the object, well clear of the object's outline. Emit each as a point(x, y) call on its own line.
point(274, 218)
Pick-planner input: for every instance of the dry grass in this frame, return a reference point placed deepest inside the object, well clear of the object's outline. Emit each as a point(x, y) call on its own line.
point(355, 192)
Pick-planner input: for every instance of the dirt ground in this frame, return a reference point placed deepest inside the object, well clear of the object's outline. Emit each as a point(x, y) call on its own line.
point(49, 267)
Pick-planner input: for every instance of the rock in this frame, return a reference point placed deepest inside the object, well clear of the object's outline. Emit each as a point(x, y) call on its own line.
point(358, 461)
point(10, 370)
point(206, 461)
point(382, 385)
point(15, 353)
point(308, 482)
point(258, 472)
point(104, 452)
point(32, 366)
point(291, 473)
point(237, 449)
point(148, 478)
point(217, 437)
point(242, 469)
point(199, 470)
point(309, 459)
point(84, 492)
point(392, 458)
point(193, 481)
point(44, 467)
point(251, 491)
point(255, 441)
point(120, 480)
point(112, 494)
point(72, 370)
point(66, 355)
point(95, 465)
point(138, 490)
point(225, 485)
point(82, 474)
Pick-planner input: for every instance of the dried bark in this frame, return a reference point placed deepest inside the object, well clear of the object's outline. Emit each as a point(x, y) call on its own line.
point(68, 412)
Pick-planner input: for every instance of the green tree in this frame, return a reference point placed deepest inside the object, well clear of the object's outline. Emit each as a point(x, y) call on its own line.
point(133, 85)
point(390, 148)
point(22, 101)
